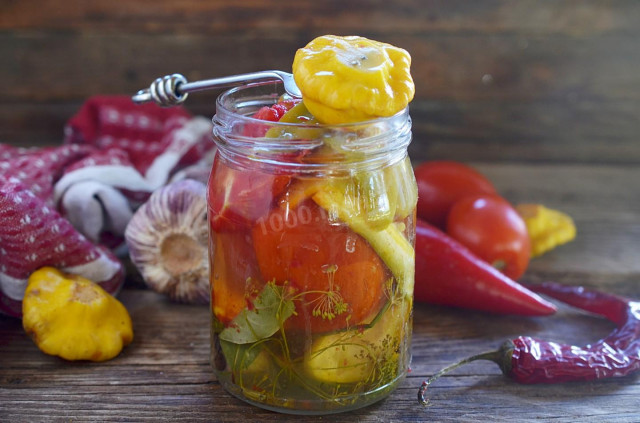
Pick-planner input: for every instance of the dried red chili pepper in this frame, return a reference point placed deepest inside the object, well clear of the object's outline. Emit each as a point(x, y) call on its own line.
point(528, 360)
point(448, 273)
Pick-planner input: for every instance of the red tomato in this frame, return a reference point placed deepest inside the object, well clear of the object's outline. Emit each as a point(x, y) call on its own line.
point(234, 274)
point(269, 113)
point(237, 198)
point(331, 268)
point(442, 183)
point(490, 227)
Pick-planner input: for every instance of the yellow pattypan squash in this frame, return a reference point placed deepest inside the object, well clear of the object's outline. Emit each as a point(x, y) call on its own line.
point(74, 318)
point(547, 228)
point(353, 79)
point(357, 355)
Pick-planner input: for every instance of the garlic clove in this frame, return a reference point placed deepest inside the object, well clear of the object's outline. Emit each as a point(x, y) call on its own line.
point(168, 241)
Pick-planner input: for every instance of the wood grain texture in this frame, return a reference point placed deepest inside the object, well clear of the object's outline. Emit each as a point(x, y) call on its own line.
point(548, 132)
point(42, 66)
point(542, 96)
point(165, 375)
point(574, 17)
point(496, 79)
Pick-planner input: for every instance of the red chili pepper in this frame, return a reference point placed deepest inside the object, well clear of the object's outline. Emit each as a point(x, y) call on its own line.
point(528, 360)
point(448, 273)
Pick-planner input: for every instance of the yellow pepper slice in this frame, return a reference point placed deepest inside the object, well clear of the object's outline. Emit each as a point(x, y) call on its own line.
point(74, 318)
point(353, 79)
point(298, 114)
point(547, 228)
point(388, 242)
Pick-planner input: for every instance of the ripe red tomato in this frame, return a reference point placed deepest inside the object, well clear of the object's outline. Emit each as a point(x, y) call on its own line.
point(442, 183)
point(237, 198)
point(490, 227)
point(332, 269)
point(234, 274)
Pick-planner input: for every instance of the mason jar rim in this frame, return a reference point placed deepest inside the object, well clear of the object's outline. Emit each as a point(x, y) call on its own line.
point(377, 142)
point(278, 87)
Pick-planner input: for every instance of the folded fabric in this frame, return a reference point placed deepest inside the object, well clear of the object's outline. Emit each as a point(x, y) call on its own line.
point(33, 235)
point(199, 171)
point(39, 168)
point(138, 148)
point(67, 206)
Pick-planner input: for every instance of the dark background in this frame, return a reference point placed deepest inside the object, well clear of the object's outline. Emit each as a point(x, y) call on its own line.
point(496, 80)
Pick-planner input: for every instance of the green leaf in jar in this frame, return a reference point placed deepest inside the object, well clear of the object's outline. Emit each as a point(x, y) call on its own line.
point(243, 356)
point(270, 309)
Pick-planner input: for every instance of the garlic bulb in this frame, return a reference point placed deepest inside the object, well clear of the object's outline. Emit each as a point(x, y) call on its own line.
point(168, 239)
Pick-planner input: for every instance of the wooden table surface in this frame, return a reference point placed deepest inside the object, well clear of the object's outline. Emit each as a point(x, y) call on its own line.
point(165, 375)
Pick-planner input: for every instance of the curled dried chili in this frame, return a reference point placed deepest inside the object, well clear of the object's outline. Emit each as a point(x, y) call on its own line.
point(529, 360)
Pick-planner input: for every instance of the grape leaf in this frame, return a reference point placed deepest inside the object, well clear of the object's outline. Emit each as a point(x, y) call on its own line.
point(270, 309)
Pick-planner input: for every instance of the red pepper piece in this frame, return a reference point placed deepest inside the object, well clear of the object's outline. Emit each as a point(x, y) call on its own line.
point(237, 197)
point(448, 273)
point(529, 360)
point(267, 113)
point(535, 361)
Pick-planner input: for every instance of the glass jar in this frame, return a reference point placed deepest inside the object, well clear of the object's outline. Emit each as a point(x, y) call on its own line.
point(312, 232)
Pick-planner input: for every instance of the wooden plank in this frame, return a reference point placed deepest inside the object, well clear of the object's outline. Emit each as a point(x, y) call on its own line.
point(128, 387)
point(506, 131)
point(462, 398)
point(576, 17)
point(594, 194)
point(547, 131)
point(68, 66)
point(35, 124)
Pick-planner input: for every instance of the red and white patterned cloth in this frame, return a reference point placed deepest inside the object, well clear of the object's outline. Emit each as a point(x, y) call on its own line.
point(33, 235)
point(66, 206)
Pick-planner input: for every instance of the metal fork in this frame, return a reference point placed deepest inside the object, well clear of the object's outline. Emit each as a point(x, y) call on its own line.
point(173, 89)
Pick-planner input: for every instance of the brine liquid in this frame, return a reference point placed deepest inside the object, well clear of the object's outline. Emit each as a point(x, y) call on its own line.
point(306, 315)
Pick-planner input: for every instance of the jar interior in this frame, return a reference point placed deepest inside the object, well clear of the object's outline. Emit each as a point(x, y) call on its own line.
point(311, 252)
